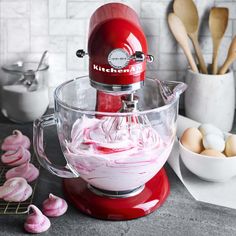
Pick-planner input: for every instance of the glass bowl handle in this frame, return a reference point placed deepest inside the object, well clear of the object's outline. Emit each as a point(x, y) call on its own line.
point(38, 140)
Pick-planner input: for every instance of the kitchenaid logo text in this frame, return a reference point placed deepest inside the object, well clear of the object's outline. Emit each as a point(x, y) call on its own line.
point(132, 69)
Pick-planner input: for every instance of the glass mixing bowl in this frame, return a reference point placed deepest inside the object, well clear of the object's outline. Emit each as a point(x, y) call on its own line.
point(114, 151)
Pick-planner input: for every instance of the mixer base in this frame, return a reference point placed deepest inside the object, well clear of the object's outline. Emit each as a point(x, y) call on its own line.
point(153, 196)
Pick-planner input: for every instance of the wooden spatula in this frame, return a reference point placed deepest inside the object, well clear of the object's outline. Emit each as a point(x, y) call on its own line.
point(230, 57)
point(218, 21)
point(180, 34)
point(187, 12)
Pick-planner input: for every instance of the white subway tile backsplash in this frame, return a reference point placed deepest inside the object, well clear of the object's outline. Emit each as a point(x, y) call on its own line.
point(164, 27)
point(229, 30)
point(39, 43)
point(86, 30)
point(167, 41)
point(57, 44)
point(134, 4)
point(73, 62)
point(57, 8)
point(172, 62)
point(153, 49)
point(82, 9)
point(162, 75)
point(206, 44)
point(67, 27)
point(57, 62)
point(15, 9)
point(39, 17)
point(56, 78)
point(38, 26)
point(104, 1)
point(234, 28)
point(207, 47)
point(151, 26)
point(154, 9)
point(3, 38)
point(72, 74)
point(203, 7)
point(39, 9)
point(18, 33)
point(34, 56)
point(207, 57)
point(153, 46)
point(223, 51)
point(22, 56)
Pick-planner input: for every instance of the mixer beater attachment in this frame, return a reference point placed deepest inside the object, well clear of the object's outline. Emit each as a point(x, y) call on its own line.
point(133, 126)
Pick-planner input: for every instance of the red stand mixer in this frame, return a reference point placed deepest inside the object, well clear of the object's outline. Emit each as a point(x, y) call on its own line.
point(117, 50)
point(113, 188)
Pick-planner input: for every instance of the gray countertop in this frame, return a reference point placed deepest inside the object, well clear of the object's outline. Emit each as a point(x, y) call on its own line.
point(180, 214)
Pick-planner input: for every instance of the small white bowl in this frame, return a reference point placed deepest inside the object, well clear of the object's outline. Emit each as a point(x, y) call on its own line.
point(215, 169)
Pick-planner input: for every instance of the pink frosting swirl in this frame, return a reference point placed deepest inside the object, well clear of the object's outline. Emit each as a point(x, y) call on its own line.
point(36, 222)
point(15, 190)
point(16, 157)
point(111, 135)
point(54, 206)
point(14, 141)
point(27, 171)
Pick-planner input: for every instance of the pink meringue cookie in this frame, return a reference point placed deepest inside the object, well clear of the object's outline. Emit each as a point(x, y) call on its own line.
point(54, 206)
point(16, 158)
point(15, 190)
point(27, 171)
point(14, 141)
point(36, 222)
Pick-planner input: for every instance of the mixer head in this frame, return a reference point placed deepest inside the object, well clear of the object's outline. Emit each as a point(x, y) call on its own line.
point(117, 50)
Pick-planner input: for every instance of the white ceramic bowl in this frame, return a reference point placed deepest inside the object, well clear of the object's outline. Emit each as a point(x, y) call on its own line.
point(216, 169)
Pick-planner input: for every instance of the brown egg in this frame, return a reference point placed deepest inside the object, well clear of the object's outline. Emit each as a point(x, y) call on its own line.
point(192, 140)
point(212, 153)
point(230, 146)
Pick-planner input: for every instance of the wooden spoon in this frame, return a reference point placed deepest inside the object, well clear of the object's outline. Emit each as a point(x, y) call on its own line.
point(218, 21)
point(178, 30)
point(187, 12)
point(230, 57)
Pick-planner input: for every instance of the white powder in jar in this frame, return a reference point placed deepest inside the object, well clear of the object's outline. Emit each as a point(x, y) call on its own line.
point(21, 106)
